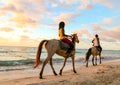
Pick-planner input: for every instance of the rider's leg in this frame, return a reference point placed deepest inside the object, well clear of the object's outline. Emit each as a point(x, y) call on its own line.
point(71, 48)
point(70, 44)
point(98, 48)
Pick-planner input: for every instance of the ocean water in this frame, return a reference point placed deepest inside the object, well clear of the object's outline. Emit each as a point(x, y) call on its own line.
point(18, 58)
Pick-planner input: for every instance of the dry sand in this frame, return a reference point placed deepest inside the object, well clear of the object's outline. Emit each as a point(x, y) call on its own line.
point(103, 74)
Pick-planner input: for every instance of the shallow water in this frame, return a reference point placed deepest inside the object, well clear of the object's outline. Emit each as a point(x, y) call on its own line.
point(19, 58)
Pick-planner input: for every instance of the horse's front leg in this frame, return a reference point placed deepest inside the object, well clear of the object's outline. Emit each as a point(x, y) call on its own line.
point(87, 63)
point(93, 60)
point(100, 58)
point(73, 57)
point(96, 60)
point(63, 66)
point(52, 67)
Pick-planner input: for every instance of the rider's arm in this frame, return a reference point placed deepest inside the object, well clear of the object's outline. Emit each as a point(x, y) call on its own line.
point(67, 35)
point(93, 40)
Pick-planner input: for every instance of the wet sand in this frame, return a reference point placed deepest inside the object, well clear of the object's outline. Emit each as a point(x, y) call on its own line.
point(107, 73)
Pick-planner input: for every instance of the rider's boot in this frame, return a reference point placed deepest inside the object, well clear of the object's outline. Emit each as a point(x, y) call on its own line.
point(70, 49)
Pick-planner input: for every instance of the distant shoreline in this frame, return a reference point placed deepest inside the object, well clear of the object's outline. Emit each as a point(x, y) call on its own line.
point(44, 48)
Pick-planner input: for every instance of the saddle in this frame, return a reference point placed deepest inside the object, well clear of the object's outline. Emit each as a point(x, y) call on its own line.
point(98, 48)
point(63, 45)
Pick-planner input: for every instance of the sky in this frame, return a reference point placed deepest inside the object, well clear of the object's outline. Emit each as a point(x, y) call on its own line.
point(27, 22)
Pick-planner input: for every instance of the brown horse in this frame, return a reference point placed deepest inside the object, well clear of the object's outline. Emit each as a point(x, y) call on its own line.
point(94, 52)
point(53, 46)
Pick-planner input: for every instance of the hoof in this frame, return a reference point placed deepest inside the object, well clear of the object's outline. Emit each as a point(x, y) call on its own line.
point(60, 73)
point(40, 77)
point(86, 65)
point(55, 74)
point(75, 72)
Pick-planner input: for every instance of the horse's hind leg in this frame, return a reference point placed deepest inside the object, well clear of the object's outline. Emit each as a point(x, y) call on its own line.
point(45, 62)
point(63, 66)
point(52, 66)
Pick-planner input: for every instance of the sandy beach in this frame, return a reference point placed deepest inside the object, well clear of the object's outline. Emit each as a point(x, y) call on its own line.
point(107, 73)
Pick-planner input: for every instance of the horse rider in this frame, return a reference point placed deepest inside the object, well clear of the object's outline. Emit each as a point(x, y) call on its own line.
point(64, 37)
point(96, 43)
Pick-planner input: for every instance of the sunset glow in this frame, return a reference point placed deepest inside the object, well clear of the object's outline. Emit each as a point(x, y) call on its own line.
point(27, 22)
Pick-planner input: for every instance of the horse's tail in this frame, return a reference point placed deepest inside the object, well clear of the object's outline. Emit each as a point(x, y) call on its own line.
point(39, 53)
point(88, 54)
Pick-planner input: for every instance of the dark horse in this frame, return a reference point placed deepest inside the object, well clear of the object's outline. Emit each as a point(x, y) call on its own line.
point(53, 46)
point(94, 52)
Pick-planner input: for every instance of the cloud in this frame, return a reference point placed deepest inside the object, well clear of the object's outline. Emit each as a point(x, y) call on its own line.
point(22, 20)
point(97, 27)
point(25, 12)
point(106, 3)
point(107, 20)
point(2, 13)
point(28, 41)
point(24, 38)
point(111, 35)
point(68, 1)
point(6, 29)
point(108, 29)
point(82, 32)
point(85, 4)
point(66, 17)
point(17, 16)
point(62, 3)
point(27, 31)
point(47, 14)
point(81, 4)
point(111, 22)
point(10, 8)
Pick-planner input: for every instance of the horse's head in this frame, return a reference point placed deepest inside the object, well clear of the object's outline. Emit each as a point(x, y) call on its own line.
point(75, 38)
